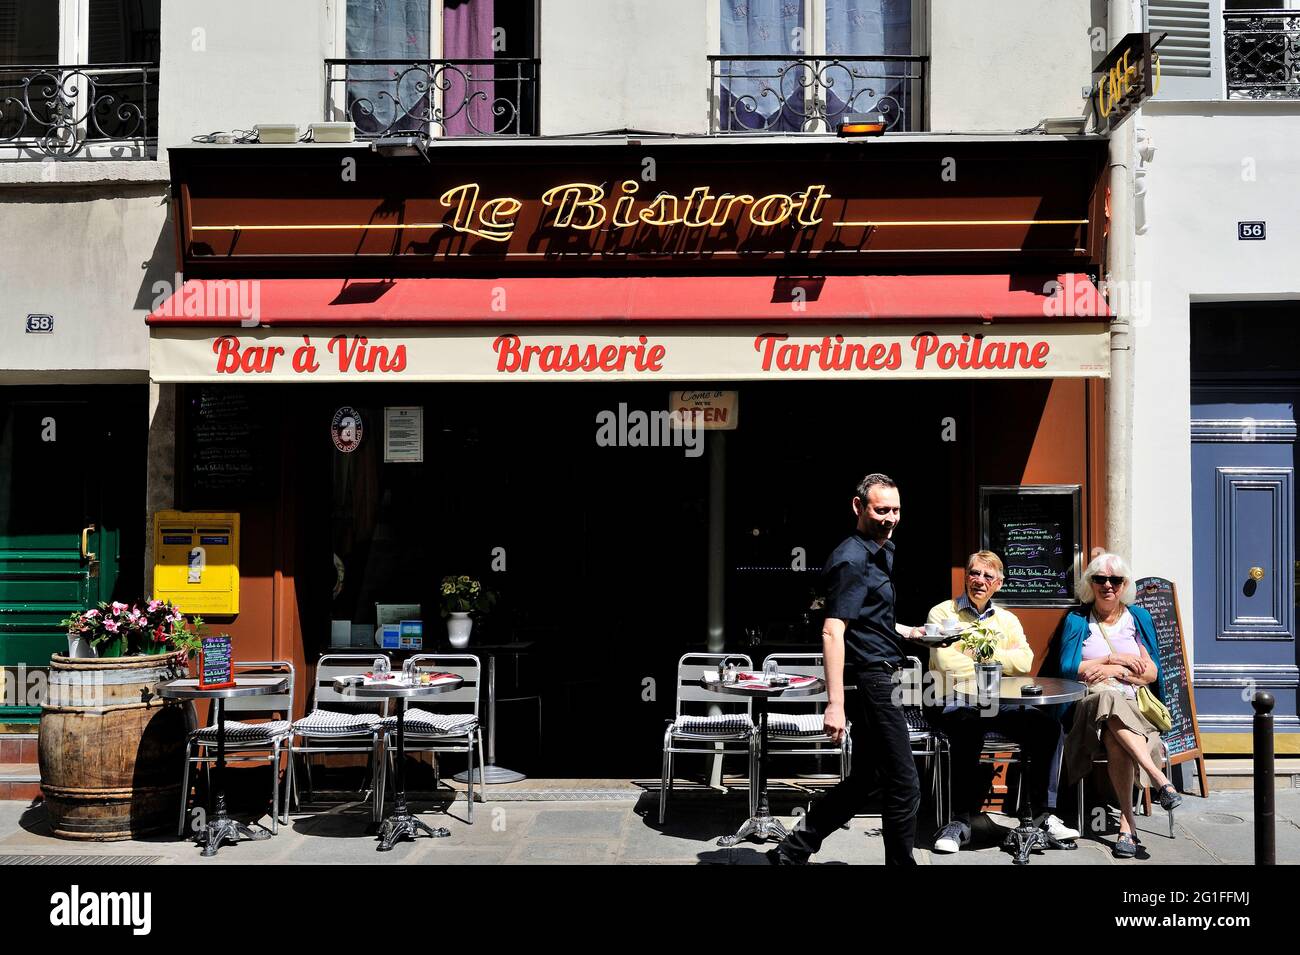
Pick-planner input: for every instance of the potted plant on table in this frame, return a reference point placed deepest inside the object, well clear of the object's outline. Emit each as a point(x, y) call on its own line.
point(460, 597)
point(981, 644)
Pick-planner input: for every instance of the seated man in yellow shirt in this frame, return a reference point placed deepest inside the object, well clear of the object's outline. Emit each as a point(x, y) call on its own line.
point(1037, 731)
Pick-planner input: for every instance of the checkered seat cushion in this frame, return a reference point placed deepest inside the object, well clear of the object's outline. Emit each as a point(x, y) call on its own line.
point(423, 723)
point(795, 724)
point(237, 732)
point(329, 723)
point(918, 727)
point(995, 742)
point(728, 724)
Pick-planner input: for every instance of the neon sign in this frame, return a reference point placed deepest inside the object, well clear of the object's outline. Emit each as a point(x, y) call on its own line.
point(586, 207)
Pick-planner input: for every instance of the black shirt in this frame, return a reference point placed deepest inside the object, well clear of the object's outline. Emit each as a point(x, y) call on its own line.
point(860, 591)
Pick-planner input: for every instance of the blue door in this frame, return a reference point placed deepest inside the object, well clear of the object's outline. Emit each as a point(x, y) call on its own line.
point(1243, 506)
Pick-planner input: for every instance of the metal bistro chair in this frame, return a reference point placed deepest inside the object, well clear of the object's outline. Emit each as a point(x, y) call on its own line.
point(709, 734)
point(801, 733)
point(349, 726)
point(1146, 793)
point(248, 742)
point(454, 732)
point(927, 742)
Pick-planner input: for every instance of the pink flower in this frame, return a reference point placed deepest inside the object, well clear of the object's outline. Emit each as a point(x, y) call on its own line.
point(91, 613)
point(154, 605)
point(110, 626)
point(118, 607)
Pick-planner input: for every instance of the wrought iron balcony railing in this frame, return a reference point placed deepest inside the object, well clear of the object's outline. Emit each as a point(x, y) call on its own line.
point(1261, 53)
point(62, 112)
point(808, 94)
point(467, 97)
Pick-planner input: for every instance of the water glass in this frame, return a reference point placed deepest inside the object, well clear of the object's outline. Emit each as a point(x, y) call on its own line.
point(770, 670)
point(380, 667)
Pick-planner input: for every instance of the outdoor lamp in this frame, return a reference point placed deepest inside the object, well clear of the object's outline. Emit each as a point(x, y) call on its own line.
point(413, 145)
point(861, 124)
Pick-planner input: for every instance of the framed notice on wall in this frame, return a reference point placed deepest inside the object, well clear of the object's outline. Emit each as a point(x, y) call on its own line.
point(404, 435)
point(1037, 530)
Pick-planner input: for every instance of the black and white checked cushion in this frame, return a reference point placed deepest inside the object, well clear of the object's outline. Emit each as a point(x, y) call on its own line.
point(728, 724)
point(328, 723)
point(995, 742)
point(918, 727)
point(423, 723)
point(795, 724)
point(237, 732)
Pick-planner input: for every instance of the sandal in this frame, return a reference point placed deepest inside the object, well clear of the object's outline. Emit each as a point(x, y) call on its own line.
point(1125, 846)
point(1170, 798)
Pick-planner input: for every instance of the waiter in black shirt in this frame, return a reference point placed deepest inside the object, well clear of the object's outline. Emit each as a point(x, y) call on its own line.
point(861, 643)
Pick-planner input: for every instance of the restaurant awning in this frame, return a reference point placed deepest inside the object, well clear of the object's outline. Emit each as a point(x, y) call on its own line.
point(619, 329)
point(803, 300)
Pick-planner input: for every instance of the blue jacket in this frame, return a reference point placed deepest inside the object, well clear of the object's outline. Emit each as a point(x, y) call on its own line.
point(1066, 651)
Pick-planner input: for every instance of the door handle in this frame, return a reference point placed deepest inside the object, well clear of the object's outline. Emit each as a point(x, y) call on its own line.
point(85, 542)
point(1257, 573)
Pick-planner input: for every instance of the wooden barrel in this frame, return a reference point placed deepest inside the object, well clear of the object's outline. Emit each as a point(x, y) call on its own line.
point(111, 750)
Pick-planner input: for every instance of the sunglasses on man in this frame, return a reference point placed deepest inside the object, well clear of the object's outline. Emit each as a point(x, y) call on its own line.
point(1100, 579)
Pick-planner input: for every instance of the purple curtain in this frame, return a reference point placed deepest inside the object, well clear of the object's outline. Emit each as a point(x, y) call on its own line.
point(469, 96)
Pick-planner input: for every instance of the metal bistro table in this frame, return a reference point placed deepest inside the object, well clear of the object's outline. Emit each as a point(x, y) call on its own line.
point(402, 823)
point(221, 828)
point(1026, 837)
point(763, 824)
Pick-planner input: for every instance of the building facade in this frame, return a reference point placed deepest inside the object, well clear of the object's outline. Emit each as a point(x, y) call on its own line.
point(968, 223)
point(1214, 400)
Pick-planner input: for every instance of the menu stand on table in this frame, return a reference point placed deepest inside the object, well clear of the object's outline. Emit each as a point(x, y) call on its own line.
point(221, 827)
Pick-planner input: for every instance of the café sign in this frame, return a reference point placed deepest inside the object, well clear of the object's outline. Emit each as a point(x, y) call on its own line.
point(692, 353)
point(1127, 78)
point(529, 209)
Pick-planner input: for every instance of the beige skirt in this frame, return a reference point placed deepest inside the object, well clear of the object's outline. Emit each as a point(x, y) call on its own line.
point(1090, 716)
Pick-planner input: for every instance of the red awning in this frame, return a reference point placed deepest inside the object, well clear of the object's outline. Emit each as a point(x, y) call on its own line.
point(753, 299)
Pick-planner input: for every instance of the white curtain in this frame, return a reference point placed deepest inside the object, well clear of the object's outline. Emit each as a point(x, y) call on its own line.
point(388, 98)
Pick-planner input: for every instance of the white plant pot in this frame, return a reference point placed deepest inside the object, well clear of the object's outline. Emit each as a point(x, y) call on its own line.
point(80, 648)
point(458, 628)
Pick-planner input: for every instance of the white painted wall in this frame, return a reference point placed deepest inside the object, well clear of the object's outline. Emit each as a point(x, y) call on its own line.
point(640, 64)
point(1007, 64)
point(237, 63)
point(80, 255)
point(1197, 192)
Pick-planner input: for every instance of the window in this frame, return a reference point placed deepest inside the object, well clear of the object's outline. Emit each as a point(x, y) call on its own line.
point(441, 67)
point(78, 74)
point(1261, 49)
point(799, 65)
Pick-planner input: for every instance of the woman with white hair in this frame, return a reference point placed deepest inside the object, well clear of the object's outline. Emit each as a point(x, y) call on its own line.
point(1111, 646)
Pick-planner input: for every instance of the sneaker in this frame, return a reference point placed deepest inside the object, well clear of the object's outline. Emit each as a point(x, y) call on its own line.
point(1170, 798)
point(1125, 846)
point(952, 837)
point(1058, 830)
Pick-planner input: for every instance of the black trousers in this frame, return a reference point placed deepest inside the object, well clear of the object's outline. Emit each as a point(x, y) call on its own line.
point(1039, 735)
point(882, 754)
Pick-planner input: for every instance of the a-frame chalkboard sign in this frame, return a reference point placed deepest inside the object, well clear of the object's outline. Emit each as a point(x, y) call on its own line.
point(1159, 598)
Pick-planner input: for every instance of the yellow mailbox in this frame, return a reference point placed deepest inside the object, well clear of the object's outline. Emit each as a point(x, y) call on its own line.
point(196, 561)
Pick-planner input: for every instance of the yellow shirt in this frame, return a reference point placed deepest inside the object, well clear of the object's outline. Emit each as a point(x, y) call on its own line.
point(1013, 652)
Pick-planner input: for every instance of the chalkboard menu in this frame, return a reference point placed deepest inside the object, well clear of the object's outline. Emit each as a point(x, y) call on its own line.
point(216, 665)
point(1156, 595)
point(225, 451)
point(1035, 529)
